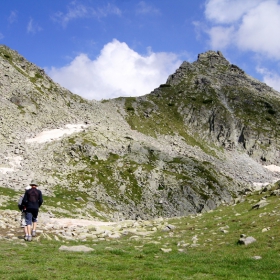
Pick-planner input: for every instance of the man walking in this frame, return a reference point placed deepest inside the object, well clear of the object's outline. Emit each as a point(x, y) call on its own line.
point(23, 213)
point(32, 200)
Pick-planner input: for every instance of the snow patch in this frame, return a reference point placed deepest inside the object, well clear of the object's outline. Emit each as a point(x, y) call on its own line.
point(273, 168)
point(259, 186)
point(54, 134)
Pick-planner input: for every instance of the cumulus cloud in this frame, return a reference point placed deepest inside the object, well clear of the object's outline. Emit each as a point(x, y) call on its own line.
point(228, 11)
point(221, 36)
point(249, 25)
point(259, 30)
point(33, 27)
point(118, 71)
point(76, 10)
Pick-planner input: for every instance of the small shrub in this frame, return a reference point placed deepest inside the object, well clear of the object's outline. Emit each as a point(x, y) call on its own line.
point(38, 76)
point(129, 108)
point(271, 112)
point(207, 101)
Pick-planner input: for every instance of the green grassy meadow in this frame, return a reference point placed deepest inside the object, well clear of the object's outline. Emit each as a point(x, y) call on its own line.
point(203, 246)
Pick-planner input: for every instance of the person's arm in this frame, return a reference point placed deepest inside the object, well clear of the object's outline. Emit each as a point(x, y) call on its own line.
point(24, 201)
point(40, 198)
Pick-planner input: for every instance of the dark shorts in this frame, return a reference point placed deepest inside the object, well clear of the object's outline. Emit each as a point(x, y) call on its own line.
point(31, 216)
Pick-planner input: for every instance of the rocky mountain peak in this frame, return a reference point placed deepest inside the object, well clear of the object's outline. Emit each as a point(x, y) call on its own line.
point(211, 66)
point(213, 69)
point(212, 58)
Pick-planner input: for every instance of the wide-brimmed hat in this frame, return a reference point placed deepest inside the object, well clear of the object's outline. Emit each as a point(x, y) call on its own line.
point(33, 183)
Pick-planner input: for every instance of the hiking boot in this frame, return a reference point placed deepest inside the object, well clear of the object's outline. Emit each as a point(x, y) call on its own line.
point(33, 233)
point(29, 238)
point(26, 237)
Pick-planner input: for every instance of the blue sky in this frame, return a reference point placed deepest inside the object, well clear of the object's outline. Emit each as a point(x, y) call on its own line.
point(103, 49)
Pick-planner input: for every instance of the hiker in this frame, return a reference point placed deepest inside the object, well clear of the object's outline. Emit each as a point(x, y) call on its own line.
point(32, 200)
point(23, 213)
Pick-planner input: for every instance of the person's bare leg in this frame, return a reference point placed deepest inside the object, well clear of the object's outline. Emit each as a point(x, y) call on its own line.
point(29, 233)
point(23, 224)
point(29, 230)
point(34, 229)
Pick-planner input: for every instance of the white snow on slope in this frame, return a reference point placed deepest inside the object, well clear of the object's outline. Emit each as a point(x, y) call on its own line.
point(54, 134)
point(273, 168)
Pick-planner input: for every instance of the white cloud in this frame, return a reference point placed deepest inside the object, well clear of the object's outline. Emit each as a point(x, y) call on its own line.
point(249, 25)
point(76, 10)
point(221, 36)
point(270, 78)
point(118, 71)
point(228, 11)
point(259, 31)
point(33, 27)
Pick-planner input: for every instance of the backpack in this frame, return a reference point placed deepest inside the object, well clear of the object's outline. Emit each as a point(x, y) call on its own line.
point(19, 203)
point(33, 195)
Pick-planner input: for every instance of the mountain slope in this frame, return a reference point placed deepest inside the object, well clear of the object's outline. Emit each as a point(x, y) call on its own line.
point(189, 146)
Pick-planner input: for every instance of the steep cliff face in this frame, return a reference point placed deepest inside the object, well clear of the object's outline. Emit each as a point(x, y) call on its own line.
point(190, 145)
